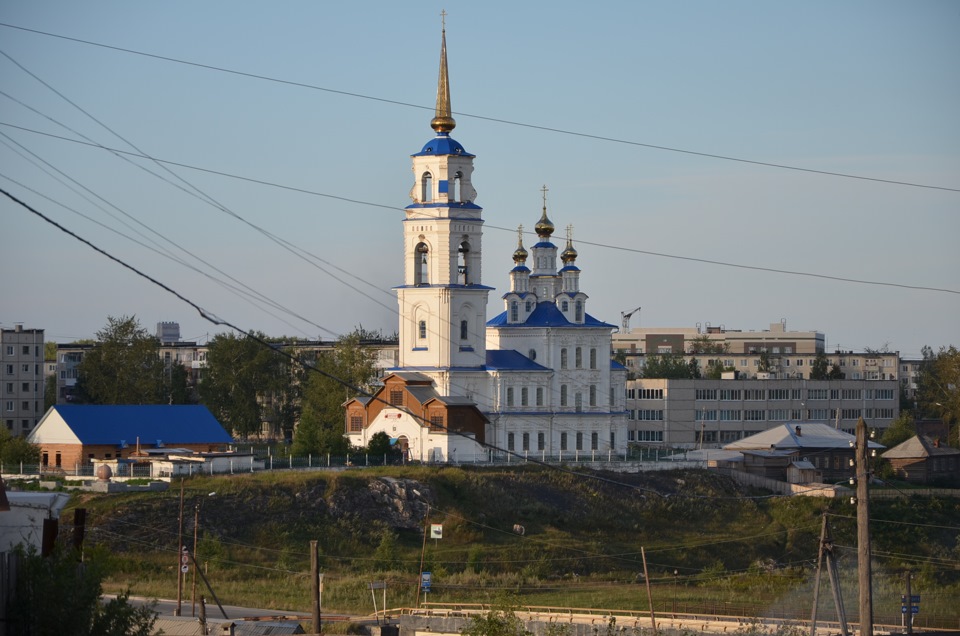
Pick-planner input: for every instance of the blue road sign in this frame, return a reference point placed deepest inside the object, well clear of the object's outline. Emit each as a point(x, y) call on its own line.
point(914, 598)
point(914, 609)
point(425, 580)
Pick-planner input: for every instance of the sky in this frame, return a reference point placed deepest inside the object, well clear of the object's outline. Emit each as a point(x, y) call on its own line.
point(276, 203)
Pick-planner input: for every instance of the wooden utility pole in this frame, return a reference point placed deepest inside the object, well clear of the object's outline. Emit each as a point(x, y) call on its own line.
point(423, 552)
point(315, 585)
point(863, 530)
point(180, 549)
point(826, 555)
point(646, 578)
point(908, 616)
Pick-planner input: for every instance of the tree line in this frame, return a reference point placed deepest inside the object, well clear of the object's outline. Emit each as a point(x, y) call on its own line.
point(255, 385)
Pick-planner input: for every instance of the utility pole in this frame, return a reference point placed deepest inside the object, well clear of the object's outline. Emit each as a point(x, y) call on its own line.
point(826, 555)
point(863, 530)
point(180, 548)
point(423, 549)
point(646, 578)
point(315, 585)
point(908, 615)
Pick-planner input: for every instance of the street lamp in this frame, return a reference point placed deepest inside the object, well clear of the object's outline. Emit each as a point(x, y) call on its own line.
point(675, 590)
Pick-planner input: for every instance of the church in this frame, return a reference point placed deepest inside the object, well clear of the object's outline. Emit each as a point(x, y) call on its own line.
point(535, 381)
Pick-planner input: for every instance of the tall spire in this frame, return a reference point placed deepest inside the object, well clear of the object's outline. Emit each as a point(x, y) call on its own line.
point(442, 121)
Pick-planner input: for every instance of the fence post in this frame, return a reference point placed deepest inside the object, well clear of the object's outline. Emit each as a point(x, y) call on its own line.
point(251, 463)
point(231, 465)
point(310, 460)
point(328, 460)
point(271, 458)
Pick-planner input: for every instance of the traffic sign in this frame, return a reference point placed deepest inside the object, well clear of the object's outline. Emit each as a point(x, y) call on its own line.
point(425, 580)
point(914, 609)
point(914, 598)
point(184, 568)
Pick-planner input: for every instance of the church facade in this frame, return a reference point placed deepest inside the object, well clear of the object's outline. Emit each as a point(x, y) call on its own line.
point(537, 380)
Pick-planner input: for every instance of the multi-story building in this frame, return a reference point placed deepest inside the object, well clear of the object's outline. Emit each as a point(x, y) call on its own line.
point(660, 340)
point(710, 413)
point(21, 383)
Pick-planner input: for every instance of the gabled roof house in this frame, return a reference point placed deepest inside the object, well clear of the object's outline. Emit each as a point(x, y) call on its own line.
point(71, 435)
point(922, 460)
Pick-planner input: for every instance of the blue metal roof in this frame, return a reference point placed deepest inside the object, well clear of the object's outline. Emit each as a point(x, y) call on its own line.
point(520, 268)
point(453, 205)
point(511, 360)
point(542, 244)
point(172, 424)
point(443, 144)
point(546, 315)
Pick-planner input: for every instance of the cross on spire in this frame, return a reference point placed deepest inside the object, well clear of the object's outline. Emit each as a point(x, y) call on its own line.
point(443, 19)
point(544, 190)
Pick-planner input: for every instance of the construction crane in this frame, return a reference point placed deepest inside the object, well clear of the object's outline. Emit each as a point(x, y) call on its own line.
point(625, 319)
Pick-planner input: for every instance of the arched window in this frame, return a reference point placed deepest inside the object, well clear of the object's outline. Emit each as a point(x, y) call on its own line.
point(579, 316)
point(529, 306)
point(564, 306)
point(514, 311)
point(563, 358)
point(462, 253)
point(426, 188)
point(457, 192)
point(463, 330)
point(421, 261)
point(532, 354)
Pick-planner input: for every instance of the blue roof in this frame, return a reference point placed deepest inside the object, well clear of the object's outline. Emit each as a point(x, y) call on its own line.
point(453, 205)
point(545, 244)
point(511, 360)
point(443, 144)
point(547, 314)
point(520, 268)
point(172, 424)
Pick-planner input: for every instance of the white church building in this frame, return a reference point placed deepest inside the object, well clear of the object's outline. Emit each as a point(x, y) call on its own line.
point(535, 381)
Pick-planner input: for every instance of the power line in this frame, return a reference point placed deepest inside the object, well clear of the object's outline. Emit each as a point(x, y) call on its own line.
point(499, 228)
point(486, 118)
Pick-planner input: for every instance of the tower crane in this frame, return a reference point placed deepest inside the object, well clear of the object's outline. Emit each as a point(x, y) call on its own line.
point(625, 319)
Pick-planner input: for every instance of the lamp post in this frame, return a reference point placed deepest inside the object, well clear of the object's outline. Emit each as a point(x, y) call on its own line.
point(675, 590)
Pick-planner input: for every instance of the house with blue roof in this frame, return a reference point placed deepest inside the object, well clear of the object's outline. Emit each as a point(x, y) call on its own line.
point(537, 379)
point(72, 435)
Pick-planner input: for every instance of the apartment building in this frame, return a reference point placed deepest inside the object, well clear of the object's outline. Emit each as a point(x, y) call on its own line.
point(660, 340)
point(706, 413)
point(21, 383)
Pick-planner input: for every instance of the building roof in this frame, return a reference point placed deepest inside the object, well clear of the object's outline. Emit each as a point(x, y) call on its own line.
point(116, 424)
point(797, 436)
point(919, 446)
point(547, 314)
point(443, 144)
point(511, 360)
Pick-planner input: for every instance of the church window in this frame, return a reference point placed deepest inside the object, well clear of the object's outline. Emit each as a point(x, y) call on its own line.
point(526, 441)
point(514, 311)
point(436, 423)
point(579, 316)
point(462, 270)
point(528, 306)
point(420, 265)
point(579, 401)
point(524, 396)
point(593, 358)
point(509, 396)
point(356, 423)
point(563, 441)
point(463, 330)
point(578, 357)
point(532, 354)
point(396, 397)
point(563, 358)
point(422, 329)
point(593, 395)
point(457, 190)
point(539, 396)
point(579, 440)
point(564, 306)
point(563, 395)
point(509, 441)
point(594, 441)
point(613, 440)
point(426, 188)
point(541, 442)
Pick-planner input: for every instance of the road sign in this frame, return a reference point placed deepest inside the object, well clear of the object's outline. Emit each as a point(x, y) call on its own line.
point(436, 531)
point(425, 580)
point(914, 609)
point(184, 568)
point(914, 598)
point(184, 557)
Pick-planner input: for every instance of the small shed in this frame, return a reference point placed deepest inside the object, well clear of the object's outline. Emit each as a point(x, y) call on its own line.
point(801, 471)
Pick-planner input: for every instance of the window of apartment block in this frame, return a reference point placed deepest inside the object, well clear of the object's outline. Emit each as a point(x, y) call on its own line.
point(9, 350)
point(26, 350)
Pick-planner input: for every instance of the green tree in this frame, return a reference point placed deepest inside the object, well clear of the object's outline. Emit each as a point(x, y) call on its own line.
point(49, 392)
point(124, 368)
point(247, 383)
point(716, 369)
point(819, 370)
point(77, 608)
point(836, 373)
point(671, 366)
point(899, 431)
point(501, 620)
point(938, 387)
point(17, 450)
point(351, 365)
point(704, 344)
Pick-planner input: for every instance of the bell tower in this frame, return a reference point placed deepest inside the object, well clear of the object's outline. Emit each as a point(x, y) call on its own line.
point(443, 305)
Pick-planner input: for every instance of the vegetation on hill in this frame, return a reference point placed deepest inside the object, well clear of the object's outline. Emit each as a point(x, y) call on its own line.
point(549, 537)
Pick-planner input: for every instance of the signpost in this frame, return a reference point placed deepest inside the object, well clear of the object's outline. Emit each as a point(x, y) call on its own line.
point(426, 579)
point(909, 605)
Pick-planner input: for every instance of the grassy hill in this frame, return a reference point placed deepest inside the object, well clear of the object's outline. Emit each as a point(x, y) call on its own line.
point(547, 537)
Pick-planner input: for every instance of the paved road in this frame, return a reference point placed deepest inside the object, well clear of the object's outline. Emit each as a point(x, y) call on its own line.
point(168, 607)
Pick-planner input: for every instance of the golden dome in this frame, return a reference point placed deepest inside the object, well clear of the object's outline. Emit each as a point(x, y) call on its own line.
point(520, 255)
point(569, 255)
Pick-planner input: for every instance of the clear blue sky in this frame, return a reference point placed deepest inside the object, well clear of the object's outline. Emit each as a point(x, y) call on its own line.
point(868, 88)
